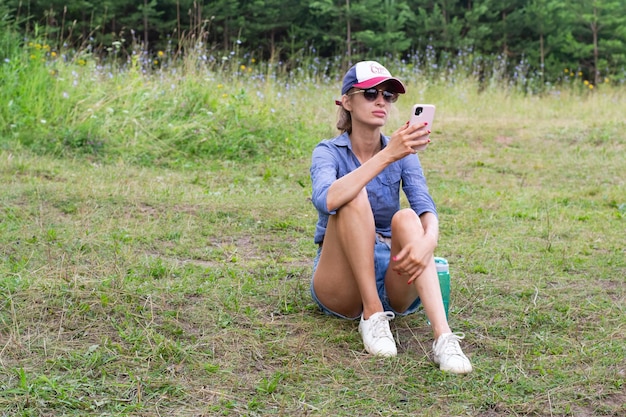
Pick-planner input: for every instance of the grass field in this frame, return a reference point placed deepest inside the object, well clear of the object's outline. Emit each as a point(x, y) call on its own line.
point(160, 265)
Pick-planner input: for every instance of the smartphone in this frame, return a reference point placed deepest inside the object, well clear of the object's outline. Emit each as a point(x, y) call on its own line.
point(422, 113)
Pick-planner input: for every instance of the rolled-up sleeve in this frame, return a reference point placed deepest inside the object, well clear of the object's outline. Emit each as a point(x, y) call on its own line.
point(325, 168)
point(323, 174)
point(414, 186)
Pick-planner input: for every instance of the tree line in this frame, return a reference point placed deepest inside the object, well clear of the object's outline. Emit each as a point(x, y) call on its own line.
point(546, 37)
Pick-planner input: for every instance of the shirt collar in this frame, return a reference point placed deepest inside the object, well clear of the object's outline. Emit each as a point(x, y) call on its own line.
point(344, 140)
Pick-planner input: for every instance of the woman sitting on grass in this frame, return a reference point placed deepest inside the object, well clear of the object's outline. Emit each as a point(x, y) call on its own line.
point(376, 261)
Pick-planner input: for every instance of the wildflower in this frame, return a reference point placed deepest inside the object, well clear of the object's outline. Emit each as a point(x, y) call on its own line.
point(580, 73)
point(586, 82)
point(53, 54)
point(37, 46)
point(32, 56)
point(220, 86)
point(253, 60)
point(566, 70)
point(65, 95)
point(43, 121)
point(155, 62)
point(606, 80)
point(160, 54)
point(224, 95)
point(82, 62)
point(242, 67)
point(591, 86)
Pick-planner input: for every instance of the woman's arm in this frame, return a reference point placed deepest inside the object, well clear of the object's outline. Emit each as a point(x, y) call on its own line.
point(346, 188)
point(401, 144)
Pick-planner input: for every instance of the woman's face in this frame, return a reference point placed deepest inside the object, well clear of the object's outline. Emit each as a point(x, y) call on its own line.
point(365, 109)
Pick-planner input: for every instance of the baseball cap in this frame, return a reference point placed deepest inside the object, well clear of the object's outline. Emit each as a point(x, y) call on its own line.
point(367, 74)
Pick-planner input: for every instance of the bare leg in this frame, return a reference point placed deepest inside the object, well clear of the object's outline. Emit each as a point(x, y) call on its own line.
point(406, 227)
point(344, 280)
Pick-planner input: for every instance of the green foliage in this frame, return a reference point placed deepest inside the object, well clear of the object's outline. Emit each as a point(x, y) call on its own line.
point(540, 37)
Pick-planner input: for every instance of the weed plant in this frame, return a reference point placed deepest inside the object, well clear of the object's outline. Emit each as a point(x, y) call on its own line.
point(156, 243)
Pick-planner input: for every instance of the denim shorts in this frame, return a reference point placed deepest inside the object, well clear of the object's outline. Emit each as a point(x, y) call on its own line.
point(382, 253)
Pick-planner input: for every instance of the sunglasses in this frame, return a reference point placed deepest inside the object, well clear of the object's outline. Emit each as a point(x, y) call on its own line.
point(371, 94)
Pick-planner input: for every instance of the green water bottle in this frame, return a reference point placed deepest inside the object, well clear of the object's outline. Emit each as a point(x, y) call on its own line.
point(443, 272)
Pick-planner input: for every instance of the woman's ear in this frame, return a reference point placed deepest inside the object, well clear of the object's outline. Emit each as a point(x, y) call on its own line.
point(346, 102)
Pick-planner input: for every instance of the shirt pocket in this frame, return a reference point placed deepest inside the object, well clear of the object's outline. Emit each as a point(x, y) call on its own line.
point(391, 176)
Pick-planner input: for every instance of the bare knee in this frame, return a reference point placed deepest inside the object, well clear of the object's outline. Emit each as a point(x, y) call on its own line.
point(405, 217)
point(358, 209)
point(360, 202)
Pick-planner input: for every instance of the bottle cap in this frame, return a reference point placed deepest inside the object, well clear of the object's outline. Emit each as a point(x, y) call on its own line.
point(441, 264)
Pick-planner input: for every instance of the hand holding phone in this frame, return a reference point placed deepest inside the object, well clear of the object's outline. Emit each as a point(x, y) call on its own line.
point(420, 114)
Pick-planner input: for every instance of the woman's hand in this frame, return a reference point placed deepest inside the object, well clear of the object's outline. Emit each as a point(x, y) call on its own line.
point(413, 259)
point(417, 246)
point(406, 138)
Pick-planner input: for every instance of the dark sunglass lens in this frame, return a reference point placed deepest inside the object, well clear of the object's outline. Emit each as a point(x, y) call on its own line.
point(370, 94)
point(389, 96)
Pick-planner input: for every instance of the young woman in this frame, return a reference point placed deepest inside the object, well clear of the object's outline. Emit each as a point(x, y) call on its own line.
point(375, 260)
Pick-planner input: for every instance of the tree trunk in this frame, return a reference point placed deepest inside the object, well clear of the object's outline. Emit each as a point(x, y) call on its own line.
point(594, 30)
point(145, 24)
point(542, 55)
point(348, 34)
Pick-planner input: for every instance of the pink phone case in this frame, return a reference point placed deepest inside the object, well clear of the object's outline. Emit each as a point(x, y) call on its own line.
point(423, 113)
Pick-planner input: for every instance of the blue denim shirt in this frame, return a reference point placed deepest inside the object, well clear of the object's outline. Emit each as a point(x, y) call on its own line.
point(332, 159)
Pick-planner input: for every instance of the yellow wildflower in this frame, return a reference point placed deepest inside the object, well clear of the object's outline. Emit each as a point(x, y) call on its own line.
point(242, 67)
point(160, 54)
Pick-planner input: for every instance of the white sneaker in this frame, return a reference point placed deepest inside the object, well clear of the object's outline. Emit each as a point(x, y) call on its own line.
point(448, 354)
point(376, 334)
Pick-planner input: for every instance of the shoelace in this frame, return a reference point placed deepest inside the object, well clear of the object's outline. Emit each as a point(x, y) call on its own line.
point(378, 329)
point(446, 345)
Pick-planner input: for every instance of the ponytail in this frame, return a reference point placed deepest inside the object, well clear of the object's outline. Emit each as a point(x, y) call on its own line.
point(344, 120)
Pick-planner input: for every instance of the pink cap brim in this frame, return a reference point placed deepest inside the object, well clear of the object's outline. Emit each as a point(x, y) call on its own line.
point(373, 82)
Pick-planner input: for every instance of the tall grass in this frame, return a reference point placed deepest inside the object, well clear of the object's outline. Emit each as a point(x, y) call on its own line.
point(169, 109)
